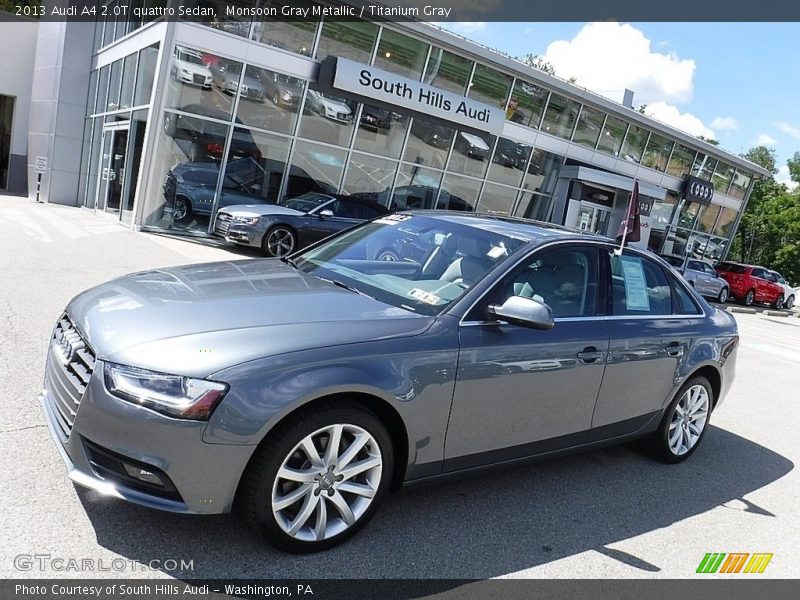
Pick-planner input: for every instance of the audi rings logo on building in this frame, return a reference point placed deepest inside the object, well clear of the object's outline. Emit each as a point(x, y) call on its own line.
point(699, 190)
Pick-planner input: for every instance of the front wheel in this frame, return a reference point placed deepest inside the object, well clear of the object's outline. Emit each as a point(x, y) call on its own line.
point(318, 478)
point(749, 298)
point(684, 423)
point(182, 210)
point(778, 304)
point(789, 303)
point(279, 241)
point(722, 297)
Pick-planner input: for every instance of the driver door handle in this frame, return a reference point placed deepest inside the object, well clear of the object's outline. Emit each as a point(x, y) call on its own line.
point(590, 354)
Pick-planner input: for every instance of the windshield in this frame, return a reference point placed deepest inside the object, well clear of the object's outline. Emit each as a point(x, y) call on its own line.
point(190, 58)
point(306, 202)
point(673, 260)
point(417, 263)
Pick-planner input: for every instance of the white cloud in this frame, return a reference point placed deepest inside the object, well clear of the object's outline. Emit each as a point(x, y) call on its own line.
point(465, 27)
point(789, 129)
point(764, 139)
point(725, 123)
point(612, 56)
point(669, 114)
point(783, 177)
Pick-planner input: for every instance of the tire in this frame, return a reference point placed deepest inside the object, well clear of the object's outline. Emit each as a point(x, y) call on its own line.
point(182, 209)
point(296, 524)
point(676, 440)
point(778, 304)
point(279, 241)
point(387, 254)
point(749, 298)
point(722, 297)
point(789, 302)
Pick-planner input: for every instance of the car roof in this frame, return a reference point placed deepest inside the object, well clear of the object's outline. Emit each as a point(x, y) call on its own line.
point(524, 229)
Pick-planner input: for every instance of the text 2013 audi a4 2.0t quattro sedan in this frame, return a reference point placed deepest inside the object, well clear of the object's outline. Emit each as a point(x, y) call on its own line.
point(305, 388)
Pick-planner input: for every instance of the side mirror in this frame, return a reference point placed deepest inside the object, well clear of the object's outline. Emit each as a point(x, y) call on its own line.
point(324, 214)
point(525, 312)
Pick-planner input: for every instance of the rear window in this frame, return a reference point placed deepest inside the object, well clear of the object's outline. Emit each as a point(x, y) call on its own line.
point(731, 268)
point(673, 260)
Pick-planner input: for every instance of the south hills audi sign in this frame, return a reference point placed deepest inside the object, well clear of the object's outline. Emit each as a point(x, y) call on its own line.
point(371, 84)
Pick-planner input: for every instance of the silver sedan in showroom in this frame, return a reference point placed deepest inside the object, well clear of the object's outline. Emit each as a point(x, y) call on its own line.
point(306, 388)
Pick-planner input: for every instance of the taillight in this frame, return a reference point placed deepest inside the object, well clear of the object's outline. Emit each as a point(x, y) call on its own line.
point(214, 148)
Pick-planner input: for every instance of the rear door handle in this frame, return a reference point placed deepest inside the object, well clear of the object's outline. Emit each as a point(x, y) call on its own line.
point(590, 354)
point(675, 349)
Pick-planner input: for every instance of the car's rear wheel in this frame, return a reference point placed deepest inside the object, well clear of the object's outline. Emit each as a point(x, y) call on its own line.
point(749, 297)
point(789, 302)
point(778, 304)
point(388, 255)
point(279, 241)
point(182, 209)
point(685, 422)
point(722, 297)
point(318, 478)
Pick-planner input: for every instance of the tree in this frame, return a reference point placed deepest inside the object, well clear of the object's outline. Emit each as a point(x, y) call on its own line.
point(538, 62)
point(763, 157)
point(794, 167)
point(707, 140)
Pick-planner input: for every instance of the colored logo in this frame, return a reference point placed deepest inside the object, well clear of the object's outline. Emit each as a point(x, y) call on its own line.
point(734, 562)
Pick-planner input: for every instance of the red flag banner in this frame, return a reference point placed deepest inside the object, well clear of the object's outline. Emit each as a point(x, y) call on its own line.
point(630, 228)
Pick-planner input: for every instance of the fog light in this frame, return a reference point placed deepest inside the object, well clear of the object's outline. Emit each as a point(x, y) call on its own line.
point(143, 475)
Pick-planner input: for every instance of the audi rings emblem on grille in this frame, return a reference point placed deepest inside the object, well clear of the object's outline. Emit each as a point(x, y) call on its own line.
point(69, 342)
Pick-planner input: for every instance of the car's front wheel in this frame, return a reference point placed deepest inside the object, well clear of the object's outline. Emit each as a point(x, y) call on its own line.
point(778, 304)
point(749, 298)
point(789, 302)
point(685, 422)
point(279, 241)
point(722, 297)
point(182, 210)
point(318, 478)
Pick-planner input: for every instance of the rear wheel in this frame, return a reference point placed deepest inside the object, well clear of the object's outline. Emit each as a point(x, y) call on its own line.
point(778, 304)
point(749, 297)
point(685, 422)
point(722, 297)
point(318, 478)
point(279, 241)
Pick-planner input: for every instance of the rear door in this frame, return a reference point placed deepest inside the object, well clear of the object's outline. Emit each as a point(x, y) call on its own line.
point(647, 343)
point(696, 274)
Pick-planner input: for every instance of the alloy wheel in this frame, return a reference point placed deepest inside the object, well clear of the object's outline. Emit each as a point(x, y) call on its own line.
point(790, 302)
point(723, 296)
point(688, 420)
point(327, 482)
point(181, 209)
point(748, 299)
point(280, 242)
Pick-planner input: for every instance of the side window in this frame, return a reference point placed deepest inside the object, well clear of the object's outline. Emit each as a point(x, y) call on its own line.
point(565, 279)
point(345, 209)
point(757, 273)
point(695, 266)
point(685, 304)
point(639, 286)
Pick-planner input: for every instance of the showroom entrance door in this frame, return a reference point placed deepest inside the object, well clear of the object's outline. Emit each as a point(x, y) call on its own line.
point(113, 167)
point(593, 218)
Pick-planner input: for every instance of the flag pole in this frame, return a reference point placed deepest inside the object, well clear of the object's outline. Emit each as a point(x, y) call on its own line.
point(630, 210)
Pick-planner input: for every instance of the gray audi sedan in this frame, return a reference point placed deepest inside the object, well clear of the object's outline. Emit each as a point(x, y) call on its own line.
point(303, 389)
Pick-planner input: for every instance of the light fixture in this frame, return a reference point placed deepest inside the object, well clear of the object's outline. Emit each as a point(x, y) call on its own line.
point(388, 55)
point(600, 196)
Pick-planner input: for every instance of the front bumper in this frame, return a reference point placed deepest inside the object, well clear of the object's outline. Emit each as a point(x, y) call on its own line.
point(201, 478)
point(237, 233)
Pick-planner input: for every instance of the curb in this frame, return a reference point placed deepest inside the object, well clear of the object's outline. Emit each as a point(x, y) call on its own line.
point(741, 309)
point(775, 313)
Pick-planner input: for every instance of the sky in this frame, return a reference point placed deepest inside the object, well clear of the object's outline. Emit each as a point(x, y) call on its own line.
point(738, 83)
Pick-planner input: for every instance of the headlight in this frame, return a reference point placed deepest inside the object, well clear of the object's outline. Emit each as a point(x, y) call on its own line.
point(185, 71)
point(286, 96)
point(172, 395)
point(246, 220)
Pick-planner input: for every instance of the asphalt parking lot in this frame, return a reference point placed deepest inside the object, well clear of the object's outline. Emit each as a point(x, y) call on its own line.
point(611, 513)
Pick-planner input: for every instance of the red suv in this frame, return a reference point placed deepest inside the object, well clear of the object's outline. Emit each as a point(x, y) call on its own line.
point(751, 284)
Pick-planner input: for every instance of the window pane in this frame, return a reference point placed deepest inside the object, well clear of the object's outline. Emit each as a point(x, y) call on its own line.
point(230, 24)
point(687, 214)
point(722, 177)
point(144, 75)
point(509, 162)
point(251, 180)
point(6, 122)
point(448, 71)
point(190, 84)
point(657, 153)
point(497, 199)
point(559, 119)
point(369, 175)
point(708, 217)
point(91, 97)
point(628, 272)
point(681, 162)
point(676, 242)
point(714, 248)
point(128, 79)
point(633, 148)
point(612, 136)
point(727, 217)
point(703, 166)
point(381, 131)
point(401, 54)
point(490, 86)
point(353, 40)
point(741, 181)
point(661, 213)
point(534, 206)
point(327, 118)
point(428, 144)
point(113, 85)
point(527, 104)
point(416, 187)
point(315, 168)
point(269, 100)
point(459, 193)
point(542, 173)
point(295, 35)
point(471, 153)
point(587, 131)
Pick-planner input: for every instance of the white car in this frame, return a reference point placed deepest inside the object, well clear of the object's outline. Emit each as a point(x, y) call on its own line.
point(330, 108)
point(188, 67)
point(788, 291)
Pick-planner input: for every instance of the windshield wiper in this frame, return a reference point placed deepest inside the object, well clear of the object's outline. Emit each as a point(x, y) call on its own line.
point(347, 287)
point(289, 261)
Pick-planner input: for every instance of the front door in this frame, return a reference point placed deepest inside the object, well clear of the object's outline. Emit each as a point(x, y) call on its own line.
point(111, 186)
point(593, 218)
point(521, 391)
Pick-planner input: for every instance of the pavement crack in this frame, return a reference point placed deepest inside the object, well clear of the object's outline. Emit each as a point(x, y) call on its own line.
point(16, 429)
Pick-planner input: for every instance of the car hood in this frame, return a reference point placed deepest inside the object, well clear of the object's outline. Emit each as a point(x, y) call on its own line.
point(196, 320)
point(260, 210)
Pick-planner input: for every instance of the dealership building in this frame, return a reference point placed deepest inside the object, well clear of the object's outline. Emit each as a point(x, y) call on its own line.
point(181, 118)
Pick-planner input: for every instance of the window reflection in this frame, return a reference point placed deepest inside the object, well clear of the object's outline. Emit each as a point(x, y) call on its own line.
point(250, 179)
point(192, 75)
point(708, 216)
point(613, 134)
point(497, 199)
point(527, 104)
point(741, 181)
point(725, 222)
point(294, 35)
point(448, 71)
point(704, 166)
point(657, 152)
point(327, 118)
point(509, 161)
point(270, 100)
point(369, 176)
point(680, 163)
point(416, 187)
point(428, 143)
point(560, 116)
point(459, 193)
point(542, 173)
point(221, 21)
point(490, 86)
point(471, 153)
point(534, 206)
point(315, 168)
point(722, 177)
point(635, 141)
point(353, 40)
point(114, 81)
point(587, 131)
point(401, 54)
point(381, 131)
point(145, 74)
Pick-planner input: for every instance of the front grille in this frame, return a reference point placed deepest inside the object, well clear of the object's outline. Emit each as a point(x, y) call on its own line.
point(70, 365)
point(222, 224)
point(199, 79)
